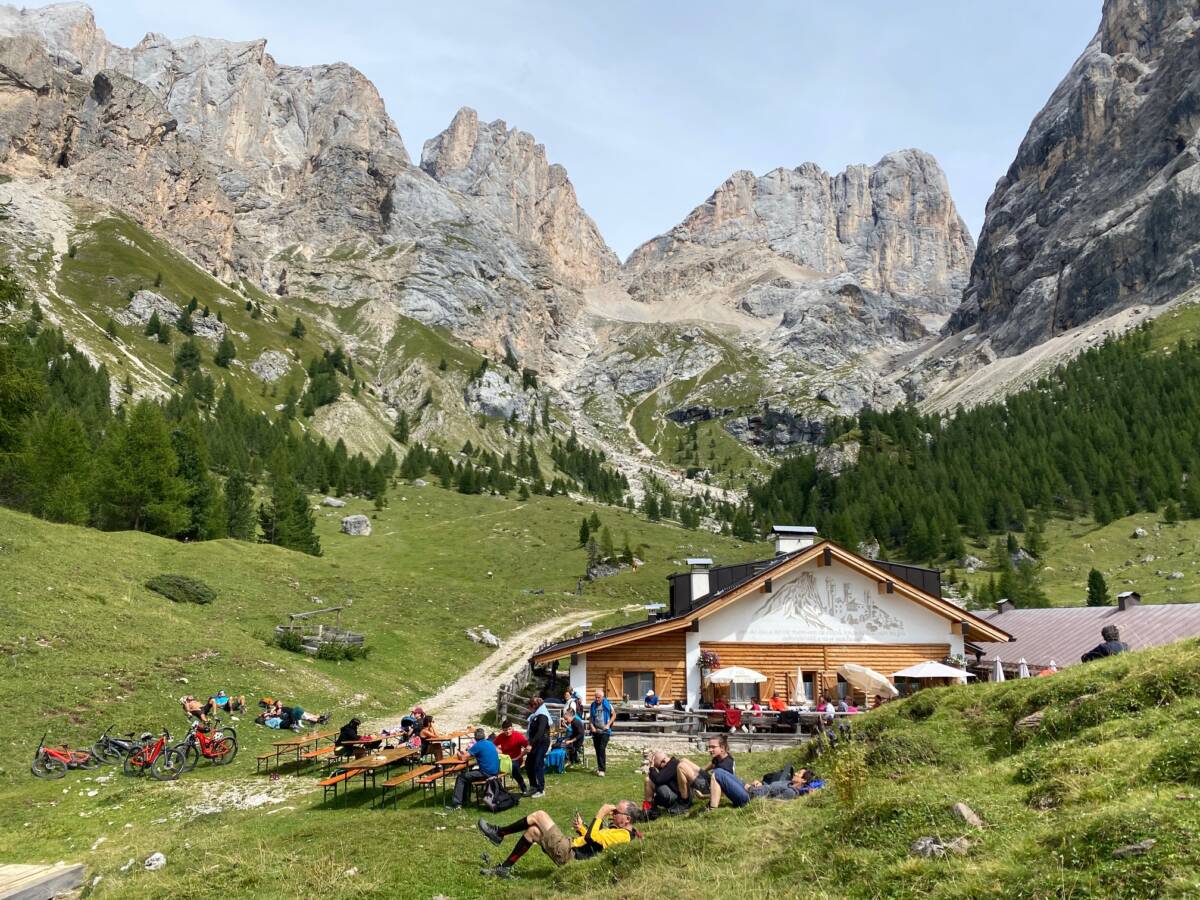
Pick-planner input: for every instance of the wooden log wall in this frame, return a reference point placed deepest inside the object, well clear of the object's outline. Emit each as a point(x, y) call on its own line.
point(662, 654)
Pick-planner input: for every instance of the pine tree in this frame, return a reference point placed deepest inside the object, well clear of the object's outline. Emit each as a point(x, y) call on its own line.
point(110, 328)
point(184, 323)
point(164, 333)
point(585, 531)
point(523, 492)
point(1191, 497)
point(298, 329)
point(153, 325)
point(226, 352)
point(187, 359)
point(56, 471)
point(401, 431)
point(742, 529)
point(594, 522)
point(139, 487)
point(239, 507)
point(1171, 513)
point(285, 518)
point(1097, 589)
point(510, 358)
point(607, 550)
point(206, 514)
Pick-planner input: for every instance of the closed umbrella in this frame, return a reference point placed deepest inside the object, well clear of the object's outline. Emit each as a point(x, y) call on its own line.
point(1022, 668)
point(735, 675)
point(997, 670)
point(867, 680)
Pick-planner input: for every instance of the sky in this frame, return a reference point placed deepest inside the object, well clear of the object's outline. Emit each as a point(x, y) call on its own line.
point(651, 105)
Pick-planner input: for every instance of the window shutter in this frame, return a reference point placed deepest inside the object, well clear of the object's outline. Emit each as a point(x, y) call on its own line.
point(791, 687)
point(767, 687)
point(613, 689)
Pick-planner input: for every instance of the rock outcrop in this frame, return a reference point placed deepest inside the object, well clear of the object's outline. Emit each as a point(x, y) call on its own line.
point(507, 171)
point(841, 264)
point(1100, 210)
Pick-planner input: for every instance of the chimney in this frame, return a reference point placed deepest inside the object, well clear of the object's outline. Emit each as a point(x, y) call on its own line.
point(1128, 600)
point(699, 567)
point(790, 538)
point(654, 611)
point(1003, 606)
point(587, 628)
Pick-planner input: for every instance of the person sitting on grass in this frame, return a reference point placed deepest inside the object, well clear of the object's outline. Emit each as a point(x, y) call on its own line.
point(487, 765)
point(714, 779)
point(512, 744)
point(801, 783)
point(222, 702)
point(538, 828)
point(662, 783)
point(573, 737)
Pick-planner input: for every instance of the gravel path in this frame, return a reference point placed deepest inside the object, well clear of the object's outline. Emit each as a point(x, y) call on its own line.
point(462, 702)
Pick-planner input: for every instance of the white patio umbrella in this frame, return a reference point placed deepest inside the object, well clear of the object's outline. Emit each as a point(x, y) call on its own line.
point(867, 680)
point(997, 670)
point(735, 675)
point(1022, 668)
point(931, 669)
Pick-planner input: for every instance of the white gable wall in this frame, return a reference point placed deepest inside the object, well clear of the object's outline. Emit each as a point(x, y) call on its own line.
point(827, 605)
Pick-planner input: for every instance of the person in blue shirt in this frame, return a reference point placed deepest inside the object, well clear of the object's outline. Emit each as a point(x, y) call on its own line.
point(600, 718)
point(487, 765)
point(651, 698)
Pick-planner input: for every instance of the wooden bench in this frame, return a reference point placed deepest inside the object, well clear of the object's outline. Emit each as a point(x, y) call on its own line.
point(332, 782)
point(430, 782)
point(319, 753)
point(410, 778)
point(266, 758)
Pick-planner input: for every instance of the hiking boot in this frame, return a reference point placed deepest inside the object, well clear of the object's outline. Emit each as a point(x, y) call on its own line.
point(491, 832)
point(599, 773)
point(678, 809)
point(453, 807)
point(501, 871)
point(537, 794)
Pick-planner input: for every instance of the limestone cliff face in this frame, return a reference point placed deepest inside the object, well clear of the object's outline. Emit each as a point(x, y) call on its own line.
point(507, 171)
point(1099, 210)
point(108, 136)
point(840, 262)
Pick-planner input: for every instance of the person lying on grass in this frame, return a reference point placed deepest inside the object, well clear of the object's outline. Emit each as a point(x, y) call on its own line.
point(801, 783)
point(193, 708)
point(538, 828)
point(715, 779)
point(222, 702)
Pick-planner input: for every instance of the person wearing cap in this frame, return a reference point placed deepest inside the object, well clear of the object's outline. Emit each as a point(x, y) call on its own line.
point(651, 698)
point(222, 702)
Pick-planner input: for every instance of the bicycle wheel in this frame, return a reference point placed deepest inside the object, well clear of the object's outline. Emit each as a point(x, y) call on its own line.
point(224, 750)
point(190, 754)
point(168, 765)
point(93, 761)
point(107, 753)
point(48, 767)
point(134, 765)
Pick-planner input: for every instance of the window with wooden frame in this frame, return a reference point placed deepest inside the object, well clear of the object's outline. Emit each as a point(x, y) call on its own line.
point(636, 684)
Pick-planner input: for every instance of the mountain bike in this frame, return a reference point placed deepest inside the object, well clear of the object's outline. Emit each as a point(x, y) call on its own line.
point(152, 757)
point(53, 762)
point(215, 743)
point(113, 749)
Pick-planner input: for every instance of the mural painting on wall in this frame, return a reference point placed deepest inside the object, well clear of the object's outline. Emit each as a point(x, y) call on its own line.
point(802, 610)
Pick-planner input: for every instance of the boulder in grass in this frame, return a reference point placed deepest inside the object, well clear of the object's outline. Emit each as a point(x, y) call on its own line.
point(334, 502)
point(356, 526)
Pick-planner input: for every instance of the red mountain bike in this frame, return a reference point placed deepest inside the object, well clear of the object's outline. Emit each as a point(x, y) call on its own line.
point(53, 762)
point(215, 743)
point(152, 757)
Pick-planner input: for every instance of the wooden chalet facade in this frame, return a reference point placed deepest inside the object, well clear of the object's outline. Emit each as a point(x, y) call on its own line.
point(794, 618)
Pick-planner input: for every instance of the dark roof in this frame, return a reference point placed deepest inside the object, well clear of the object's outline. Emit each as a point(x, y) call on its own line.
point(756, 569)
point(793, 529)
point(1064, 634)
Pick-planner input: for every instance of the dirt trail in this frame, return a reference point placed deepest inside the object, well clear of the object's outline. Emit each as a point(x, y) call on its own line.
point(463, 702)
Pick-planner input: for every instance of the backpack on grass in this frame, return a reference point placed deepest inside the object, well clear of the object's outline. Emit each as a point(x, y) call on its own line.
point(496, 798)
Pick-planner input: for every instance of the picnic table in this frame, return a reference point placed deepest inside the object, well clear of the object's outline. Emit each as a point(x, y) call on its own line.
point(366, 766)
point(295, 744)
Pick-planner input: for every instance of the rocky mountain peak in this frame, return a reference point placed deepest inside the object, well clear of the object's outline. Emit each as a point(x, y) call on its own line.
point(507, 171)
point(1098, 211)
point(893, 226)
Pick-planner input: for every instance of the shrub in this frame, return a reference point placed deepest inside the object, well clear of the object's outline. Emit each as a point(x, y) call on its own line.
point(289, 640)
point(182, 589)
point(849, 774)
point(342, 651)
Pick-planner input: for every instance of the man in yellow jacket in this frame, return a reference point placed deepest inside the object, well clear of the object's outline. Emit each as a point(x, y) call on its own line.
point(589, 840)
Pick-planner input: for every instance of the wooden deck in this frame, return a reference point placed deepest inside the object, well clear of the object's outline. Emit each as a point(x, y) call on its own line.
point(19, 882)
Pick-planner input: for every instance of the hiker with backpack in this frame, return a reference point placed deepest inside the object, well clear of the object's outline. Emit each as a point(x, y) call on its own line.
point(589, 839)
point(600, 719)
